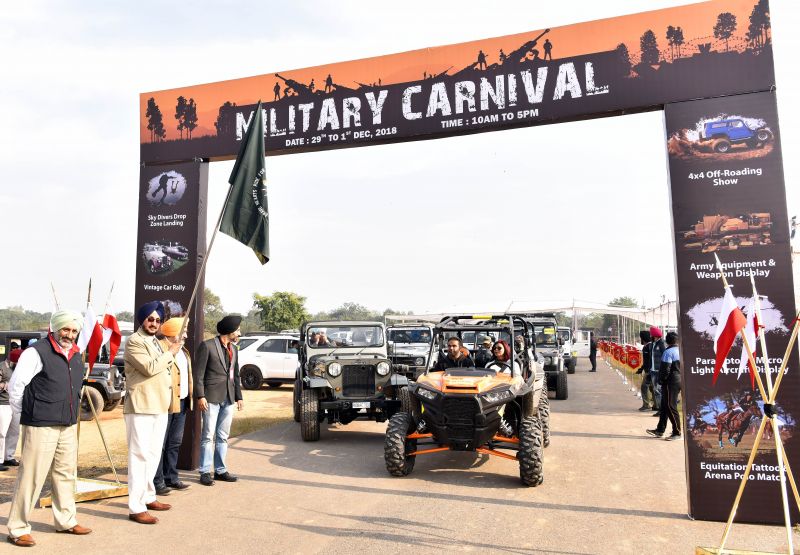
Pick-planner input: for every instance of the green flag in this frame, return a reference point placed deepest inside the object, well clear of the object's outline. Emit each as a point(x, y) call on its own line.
point(246, 215)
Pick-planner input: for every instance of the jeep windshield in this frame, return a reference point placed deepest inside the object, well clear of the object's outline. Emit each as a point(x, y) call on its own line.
point(410, 335)
point(344, 336)
point(544, 335)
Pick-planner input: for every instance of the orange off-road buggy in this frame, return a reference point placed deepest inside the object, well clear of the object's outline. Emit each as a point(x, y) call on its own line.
point(474, 409)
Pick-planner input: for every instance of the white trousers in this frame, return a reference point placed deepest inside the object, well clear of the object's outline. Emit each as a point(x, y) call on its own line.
point(9, 432)
point(145, 434)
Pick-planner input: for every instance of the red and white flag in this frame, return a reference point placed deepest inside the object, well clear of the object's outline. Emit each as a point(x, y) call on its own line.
point(750, 330)
point(114, 336)
point(91, 338)
point(730, 322)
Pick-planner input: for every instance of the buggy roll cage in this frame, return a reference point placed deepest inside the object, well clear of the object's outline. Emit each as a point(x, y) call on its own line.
point(483, 323)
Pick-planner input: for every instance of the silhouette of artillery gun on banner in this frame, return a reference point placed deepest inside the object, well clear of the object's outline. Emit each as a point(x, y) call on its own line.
point(296, 87)
point(514, 58)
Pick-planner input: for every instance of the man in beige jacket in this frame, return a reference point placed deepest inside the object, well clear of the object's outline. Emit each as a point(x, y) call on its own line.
point(148, 377)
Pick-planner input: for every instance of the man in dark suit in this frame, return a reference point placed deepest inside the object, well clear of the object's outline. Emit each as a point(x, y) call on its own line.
point(217, 388)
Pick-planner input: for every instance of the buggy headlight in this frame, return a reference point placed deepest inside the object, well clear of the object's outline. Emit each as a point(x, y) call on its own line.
point(334, 369)
point(493, 397)
point(383, 368)
point(426, 393)
point(419, 361)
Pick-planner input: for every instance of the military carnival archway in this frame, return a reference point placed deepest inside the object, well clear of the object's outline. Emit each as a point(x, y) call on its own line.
point(715, 83)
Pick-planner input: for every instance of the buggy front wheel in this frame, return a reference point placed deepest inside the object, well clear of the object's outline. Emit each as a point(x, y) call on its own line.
point(397, 446)
point(531, 458)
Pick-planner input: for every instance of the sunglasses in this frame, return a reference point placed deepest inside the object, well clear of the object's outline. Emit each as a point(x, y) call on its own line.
point(497, 348)
point(153, 319)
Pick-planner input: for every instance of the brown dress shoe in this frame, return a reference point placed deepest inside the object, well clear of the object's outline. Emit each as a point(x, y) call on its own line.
point(26, 540)
point(143, 518)
point(159, 506)
point(78, 530)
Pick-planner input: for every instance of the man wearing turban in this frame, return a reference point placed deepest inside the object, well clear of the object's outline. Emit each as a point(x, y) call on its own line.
point(217, 388)
point(148, 381)
point(50, 370)
point(180, 403)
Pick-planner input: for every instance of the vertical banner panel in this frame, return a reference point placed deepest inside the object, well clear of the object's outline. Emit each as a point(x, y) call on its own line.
point(728, 198)
point(169, 252)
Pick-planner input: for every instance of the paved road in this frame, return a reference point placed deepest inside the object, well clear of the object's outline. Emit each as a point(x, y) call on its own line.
point(335, 496)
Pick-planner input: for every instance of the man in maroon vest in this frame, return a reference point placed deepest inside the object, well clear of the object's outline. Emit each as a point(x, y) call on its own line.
point(46, 388)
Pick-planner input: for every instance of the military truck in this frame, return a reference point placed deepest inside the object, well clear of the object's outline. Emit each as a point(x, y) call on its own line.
point(408, 346)
point(344, 373)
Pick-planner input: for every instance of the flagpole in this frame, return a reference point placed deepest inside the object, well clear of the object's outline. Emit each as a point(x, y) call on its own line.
point(776, 430)
point(55, 297)
point(108, 299)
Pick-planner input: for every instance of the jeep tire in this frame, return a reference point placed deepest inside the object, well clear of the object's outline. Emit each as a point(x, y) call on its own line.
point(763, 135)
point(273, 385)
point(531, 458)
point(722, 146)
point(309, 415)
point(561, 386)
point(571, 366)
point(296, 400)
point(250, 377)
point(111, 405)
point(409, 402)
point(397, 446)
point(97, 401)
point(544, 418)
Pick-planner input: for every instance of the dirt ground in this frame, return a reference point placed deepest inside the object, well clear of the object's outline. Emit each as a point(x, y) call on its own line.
point(262, 408)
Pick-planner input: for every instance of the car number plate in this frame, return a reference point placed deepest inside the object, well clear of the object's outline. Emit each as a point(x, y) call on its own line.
point(361, 404)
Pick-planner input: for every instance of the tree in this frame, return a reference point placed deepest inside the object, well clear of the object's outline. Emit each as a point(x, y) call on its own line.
point(649, 46)
point(155, 121)
point(180, 114)
point(125, 316)
point(281, 310)
point(758, 30)
point(671, 41)
point(213, 311)
point(725, 27)
point(679, 39)
point(353, 311)
point(190, 117)
point(18, 318)
point(623, 59)
point(224, 123)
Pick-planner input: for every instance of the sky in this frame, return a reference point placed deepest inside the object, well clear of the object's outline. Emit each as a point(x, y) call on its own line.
point(574, 210)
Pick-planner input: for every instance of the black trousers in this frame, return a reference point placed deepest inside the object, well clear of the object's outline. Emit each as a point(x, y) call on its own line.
point(669, 404)
point(168, 466)
point(593, 360)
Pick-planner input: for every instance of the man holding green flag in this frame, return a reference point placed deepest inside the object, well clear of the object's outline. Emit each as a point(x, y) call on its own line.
point(245, 216)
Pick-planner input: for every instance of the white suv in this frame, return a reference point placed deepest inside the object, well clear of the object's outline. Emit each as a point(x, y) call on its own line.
point(267, 358)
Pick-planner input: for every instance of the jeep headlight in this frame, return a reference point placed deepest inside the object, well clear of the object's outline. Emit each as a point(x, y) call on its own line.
point(419, 361)
point(318, 369)
point(548, 360)
point(426, 393)
point(383, 368)
point(334, 369)
point(493, 397)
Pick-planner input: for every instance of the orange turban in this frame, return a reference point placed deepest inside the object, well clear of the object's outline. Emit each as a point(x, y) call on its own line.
point(172, 327)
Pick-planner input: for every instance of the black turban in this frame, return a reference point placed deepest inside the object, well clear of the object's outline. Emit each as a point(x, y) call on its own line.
point(147, 309)
point(229, 324)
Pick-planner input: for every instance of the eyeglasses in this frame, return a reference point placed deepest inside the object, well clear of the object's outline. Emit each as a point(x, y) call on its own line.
point(153, 319)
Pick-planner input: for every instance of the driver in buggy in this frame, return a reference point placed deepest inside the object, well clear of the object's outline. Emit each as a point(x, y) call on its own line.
point(500, 362)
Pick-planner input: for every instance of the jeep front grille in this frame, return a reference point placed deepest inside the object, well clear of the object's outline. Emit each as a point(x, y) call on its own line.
point(358, 380)
point(460, 416)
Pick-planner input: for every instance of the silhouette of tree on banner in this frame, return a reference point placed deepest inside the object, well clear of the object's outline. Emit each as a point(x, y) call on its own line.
point(180, 114)
point(224, 122)
point(190, 117)
point(155, 121)
point(678, 39)
point(624, 59)
point(671, 41)
point(649, 46)
point(726, 25)
point(758, 30)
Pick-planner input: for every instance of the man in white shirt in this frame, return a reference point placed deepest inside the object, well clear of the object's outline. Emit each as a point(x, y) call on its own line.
point(51, 372)
point(167, 474)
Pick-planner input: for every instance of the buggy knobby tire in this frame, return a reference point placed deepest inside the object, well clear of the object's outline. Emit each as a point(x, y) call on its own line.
point(396, 446)
point(561, 386)
point(528, 408)
point(531, 458)
point(296, 400)
point(408, 402)
point(309, 415)
point(544, 418)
